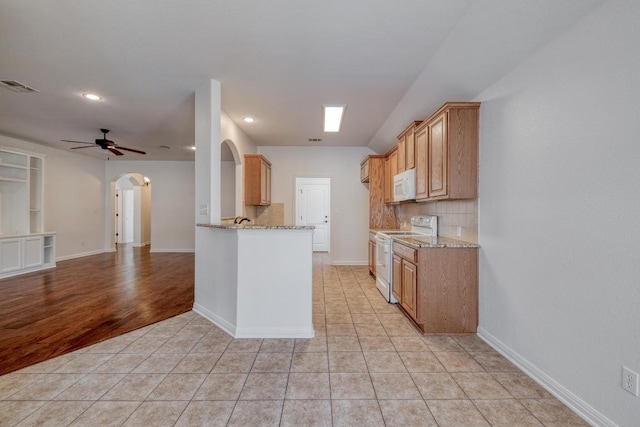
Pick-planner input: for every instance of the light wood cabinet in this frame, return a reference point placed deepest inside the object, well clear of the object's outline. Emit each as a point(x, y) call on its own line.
point(390, 171)
point(257, 180)
point(404, 285)
point(447, 153)
point(406, 147)
point(409, 288)
point(439, 290)
point(381, 215)
point(364, 170)
point(372, 254)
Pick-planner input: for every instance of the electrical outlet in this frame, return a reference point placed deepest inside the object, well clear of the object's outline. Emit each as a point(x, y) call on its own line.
point(630, 381)
point(458, 231)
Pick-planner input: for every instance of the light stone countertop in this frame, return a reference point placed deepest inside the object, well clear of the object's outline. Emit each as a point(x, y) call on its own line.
point(257, 227)
point(441, 242)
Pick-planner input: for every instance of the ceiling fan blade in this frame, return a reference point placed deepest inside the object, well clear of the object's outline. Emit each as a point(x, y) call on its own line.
point(130, 149)
point(116, 152)
point(86, 146)
point(79, 142)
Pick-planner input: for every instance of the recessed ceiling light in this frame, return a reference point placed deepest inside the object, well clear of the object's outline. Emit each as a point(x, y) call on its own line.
point(333, 117)
point(92, 96)
point(193, 147)
point(249, 119)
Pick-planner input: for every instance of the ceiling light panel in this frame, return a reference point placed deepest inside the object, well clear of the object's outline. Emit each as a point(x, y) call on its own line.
point(333, 117)
point(92, 96)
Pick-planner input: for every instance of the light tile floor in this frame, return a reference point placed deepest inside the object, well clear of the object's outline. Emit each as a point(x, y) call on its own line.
point(367, 366)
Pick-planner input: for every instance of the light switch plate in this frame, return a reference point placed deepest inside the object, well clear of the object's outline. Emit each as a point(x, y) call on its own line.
point(204, 209)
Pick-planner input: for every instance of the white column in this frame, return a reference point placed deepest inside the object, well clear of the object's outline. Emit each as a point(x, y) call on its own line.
point(207, 133)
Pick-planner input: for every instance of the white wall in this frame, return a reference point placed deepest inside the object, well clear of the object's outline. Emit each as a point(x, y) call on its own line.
point(73, 198)
point(349, 197)
point(172, 201)
point(242, 145)
point(228, 189)
point(559, 208)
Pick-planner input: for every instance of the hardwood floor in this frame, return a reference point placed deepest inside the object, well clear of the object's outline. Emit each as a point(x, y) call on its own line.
point(87, 300)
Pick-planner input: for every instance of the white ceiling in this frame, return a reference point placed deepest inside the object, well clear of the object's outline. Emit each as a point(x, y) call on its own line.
point(277, 60)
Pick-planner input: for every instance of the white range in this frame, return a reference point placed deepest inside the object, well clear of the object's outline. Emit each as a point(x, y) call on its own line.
point(420, 226)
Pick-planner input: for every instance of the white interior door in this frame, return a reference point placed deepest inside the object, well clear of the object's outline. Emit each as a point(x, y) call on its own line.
point(313, 202)
point(119, 215)
point(128, 212)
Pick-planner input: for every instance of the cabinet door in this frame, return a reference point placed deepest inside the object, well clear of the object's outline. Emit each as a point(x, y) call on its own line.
point(396, 284)
point(437, 170)
point(401, 155)
point(410, 149)
point(422, 191)
point(409, 297)
point(393, 171)
point(372, 258)
point(10, 255)
point(268, 194)
point(388, 196)
point(364, 172)
point(33, 251)
point(265, 183)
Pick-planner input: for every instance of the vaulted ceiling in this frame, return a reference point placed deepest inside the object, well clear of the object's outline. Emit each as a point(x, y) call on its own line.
point(279, 61)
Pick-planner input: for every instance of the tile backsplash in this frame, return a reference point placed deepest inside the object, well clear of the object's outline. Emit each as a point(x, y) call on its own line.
point(451, 215)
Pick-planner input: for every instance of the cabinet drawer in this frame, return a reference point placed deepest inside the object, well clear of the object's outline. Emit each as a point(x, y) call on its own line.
point(405, 252)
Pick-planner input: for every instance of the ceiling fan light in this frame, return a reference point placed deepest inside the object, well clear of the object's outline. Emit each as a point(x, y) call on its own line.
point(333, 117)
point(92, 96)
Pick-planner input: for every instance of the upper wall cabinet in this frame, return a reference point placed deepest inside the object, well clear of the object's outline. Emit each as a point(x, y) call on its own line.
point(390, 171)
point(257, 180)
point(364, 170)
point(21, 182)
point(406, 147)
point(446, 154)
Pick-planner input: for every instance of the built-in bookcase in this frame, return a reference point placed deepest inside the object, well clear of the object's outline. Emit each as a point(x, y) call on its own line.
point(24, 246)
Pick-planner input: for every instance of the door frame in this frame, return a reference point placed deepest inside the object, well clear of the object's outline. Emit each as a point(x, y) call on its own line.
point(298, 182)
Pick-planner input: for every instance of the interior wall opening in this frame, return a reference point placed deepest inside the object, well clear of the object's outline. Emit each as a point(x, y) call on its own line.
point(132, 210)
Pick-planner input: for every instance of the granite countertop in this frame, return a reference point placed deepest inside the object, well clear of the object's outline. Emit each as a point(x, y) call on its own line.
point(257, 227)
point(441, 242)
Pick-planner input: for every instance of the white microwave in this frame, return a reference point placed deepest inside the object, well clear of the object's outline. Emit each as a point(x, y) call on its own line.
point(404, 186)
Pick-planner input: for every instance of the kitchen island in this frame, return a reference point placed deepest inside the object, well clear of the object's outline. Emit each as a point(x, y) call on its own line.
point(255, 281)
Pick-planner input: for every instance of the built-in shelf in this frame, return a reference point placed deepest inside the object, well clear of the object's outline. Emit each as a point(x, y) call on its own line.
point(11, 165)
point(23, 245)
point(5, 179)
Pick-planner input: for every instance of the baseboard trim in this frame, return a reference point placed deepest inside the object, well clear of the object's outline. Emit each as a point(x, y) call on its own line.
point(171, 250)
point(579, 406)
point(275, 333)
point(215, 319)
point(80, 255)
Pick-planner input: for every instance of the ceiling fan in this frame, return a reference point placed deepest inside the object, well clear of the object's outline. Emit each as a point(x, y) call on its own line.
point(105, 144)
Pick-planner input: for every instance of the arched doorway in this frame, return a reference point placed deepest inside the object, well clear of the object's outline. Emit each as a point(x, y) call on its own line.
point(131, 209)
point(230, 180)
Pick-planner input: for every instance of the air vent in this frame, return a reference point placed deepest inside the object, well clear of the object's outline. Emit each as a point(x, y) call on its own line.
point(16, 86)
point(315, 139)
point(166, 147)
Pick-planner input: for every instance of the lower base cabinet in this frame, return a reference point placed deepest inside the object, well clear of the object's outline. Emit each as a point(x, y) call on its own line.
point(437, 287)
point(24, 254)
point(372, 254)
